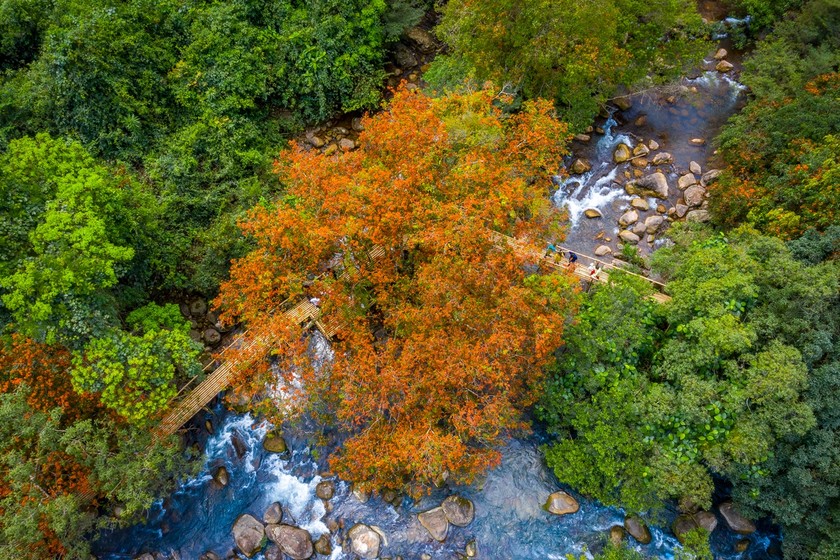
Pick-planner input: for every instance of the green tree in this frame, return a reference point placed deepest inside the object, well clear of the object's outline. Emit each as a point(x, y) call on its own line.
point(577, 53)
point(135, 373)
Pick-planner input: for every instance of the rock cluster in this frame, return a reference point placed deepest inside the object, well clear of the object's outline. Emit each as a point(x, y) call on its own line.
point(454, 510)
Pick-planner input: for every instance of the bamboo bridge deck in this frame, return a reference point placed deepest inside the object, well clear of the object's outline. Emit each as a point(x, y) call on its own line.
point(306, 314)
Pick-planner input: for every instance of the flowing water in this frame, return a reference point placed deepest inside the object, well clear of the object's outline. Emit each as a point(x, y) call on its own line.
point(695, 109)
point(510, 522)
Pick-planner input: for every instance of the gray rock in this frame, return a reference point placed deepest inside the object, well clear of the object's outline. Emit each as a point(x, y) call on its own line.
point(652, 223)
point(362, 495)
point(623, 103)
point(639, 228)
point(346, 144)
point(663, 158)
point(237, 440)
point(724, 66)
point(295, 542)
point(686, 181)
point(695, 168)
point(710, 176)
point(583, 138)
point(435, 522)
point(629, 217)
point(356, 124)
point(198, 308)
point(325, 489)
point(682, 525)
point(323, 545)
point(655, 183)
point(637, 529)
point(274, 514)
point(697, 141)
point(404, 57)
point(274, 443)
point(653, 145)
point(603, 250)
point(221, 476)
point(706, 519)
point(698, 216)
point(315, 141)
point(248, 534)
point(561, 503)
point(680, 210)
point(622, 153)
point(629, 237)
point(459, 510)
point(364, 541)
point(211, 336)
point(421, 38)
point(273, 552)
point(640, 204)
point(735, 520)
point(581, 166)
point(694, 195)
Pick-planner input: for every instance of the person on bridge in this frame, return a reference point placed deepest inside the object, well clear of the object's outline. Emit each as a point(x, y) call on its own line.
point(572, 260)
point(550, 250)
point(594, 272)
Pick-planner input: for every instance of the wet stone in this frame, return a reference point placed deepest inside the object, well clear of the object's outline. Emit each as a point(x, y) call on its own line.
point(706, 519)
point(561, 503)
point(248, 534)
point(198, 308)
point(273, 514)
point(735, 520)
point(221, 476)
point(364, 541)
point(640, 204)
point(682, 525)
point(724, 66)
point(695, 168)
point(274, 443)
point(209, 555)
point(629, 237)
point(742, 545)
point(653, 145)
point(622, 153)
point(459, 510)
point(721, 54)
point(323, 545)
point(592, 213)
point(331, 149)
point(581, 166)
point(617, 535)
point(435, 522)
point(603, 250)
point(471, 550)
point(325, 489)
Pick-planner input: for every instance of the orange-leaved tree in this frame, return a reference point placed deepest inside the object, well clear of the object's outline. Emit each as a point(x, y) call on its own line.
point(442, 336)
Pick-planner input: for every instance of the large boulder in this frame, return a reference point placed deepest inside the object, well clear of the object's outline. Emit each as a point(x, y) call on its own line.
point(663, 158)
point(239, 445)
point(694, 195)
point(325, 489)
point(592, 213)
point(720, 54)
point(629, 237)
point(724, 66)
point(603, 250)
point(706, 519)
point(404, 57)
point(629, 217)
point(735, 520)
point(698, 216)
point(622, 153)
point(695, 168)
point(273, 552)
point(655, 184)
point(435, 522)
point(637, 529)
point(274, 443)
point(682, 525)
point(686, 181)
point(561, 503)
point(710, 176)
point(364, 541)
point(198, 307)
point(323, 545)
point(581, 166)
point(459, 510)
point(680, 210)
point(421, 38)
point(640, 204)
point(248, 534)
point(221, 476)
point(274, 514)
point(295, 542)
point(653, 223)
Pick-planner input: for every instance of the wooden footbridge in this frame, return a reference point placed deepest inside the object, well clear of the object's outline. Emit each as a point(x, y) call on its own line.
point(306, 314)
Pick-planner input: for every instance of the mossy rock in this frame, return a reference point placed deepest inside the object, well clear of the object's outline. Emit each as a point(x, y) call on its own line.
point(274, 443)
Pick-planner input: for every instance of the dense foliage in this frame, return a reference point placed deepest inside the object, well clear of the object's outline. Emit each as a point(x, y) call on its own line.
point(732, 378)
point(442, 338)
point(575, 52)
point(781, 151)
